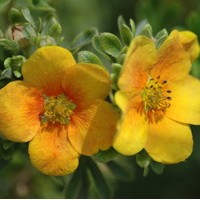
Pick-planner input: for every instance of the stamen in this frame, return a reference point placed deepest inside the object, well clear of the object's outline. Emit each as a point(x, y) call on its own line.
point(164, 82)
point(158, 77)
point(57, 109)
point(154, 100)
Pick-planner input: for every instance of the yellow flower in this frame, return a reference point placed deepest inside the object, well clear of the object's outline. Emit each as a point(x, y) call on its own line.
point(59, 108)
point(159, 98)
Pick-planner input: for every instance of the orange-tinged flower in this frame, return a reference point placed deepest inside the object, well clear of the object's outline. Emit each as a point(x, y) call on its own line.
point(59, 107)
point(159, 98)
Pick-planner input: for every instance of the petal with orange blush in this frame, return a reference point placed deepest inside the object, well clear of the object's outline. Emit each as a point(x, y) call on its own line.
point(51, 152)
point(173, 62)
point(169, 141)
point(20, 111)
point(140, 58)
point(93, 128)
point(85, 82)
point(185, 101)
point(46, 68)
point(132, 133)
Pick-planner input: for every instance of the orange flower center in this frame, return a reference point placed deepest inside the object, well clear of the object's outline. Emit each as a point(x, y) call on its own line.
point(155, 99)
point(57, 109)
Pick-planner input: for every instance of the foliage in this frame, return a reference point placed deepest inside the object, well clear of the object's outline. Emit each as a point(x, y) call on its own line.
point(28, 25)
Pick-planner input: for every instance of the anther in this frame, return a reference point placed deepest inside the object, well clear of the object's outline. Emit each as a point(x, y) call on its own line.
point(164, 82)
point(158, 77)
point(169, 98)
point(169, 91)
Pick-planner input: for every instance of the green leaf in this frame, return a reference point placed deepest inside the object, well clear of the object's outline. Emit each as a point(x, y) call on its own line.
point(15, 16)
point(132, 24)
point(160, 37)
point(17, 74)
point(125, 33)
point(105, 156)
point(146, 171)
point(144, 28)
point(121, 171)
point(147, 31)
point(143, 159)
point(4, 4)
point(116, 69)
point(83, 38)
point(1, 33)
point(6, 73)
point(7, 145)
point(158, 168)
point(29, 31)
point(54, 29)
point(75, 184)
point(88, 57)
point(27, 15)
point(99, 180)
point(42, 5)
point(107, 43)
point(9, 44)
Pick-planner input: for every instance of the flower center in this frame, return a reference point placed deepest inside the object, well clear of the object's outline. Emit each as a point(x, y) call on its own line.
point(155, 99)
point(57, 109)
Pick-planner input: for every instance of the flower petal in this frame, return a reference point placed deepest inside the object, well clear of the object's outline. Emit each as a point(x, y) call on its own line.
point(85, 82)
point(121, 100)
point(132, 133)
point(140, 58)
point(190, 43)
point(46, 68)
point(93, 128)
point(51, 152)
point(185, 103)
point(174, 62)
point(20, 109)
point(169, 141)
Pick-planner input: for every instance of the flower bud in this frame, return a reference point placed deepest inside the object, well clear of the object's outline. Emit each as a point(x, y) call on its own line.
point(15, 32)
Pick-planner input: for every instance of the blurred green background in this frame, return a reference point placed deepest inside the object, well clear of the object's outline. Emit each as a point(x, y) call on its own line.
point(20, 180)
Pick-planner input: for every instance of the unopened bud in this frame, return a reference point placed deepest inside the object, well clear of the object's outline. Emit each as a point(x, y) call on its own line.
point(15, 33)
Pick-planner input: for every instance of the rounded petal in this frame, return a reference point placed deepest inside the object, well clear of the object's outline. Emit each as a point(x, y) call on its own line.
point(20, 111)
point(140, 58)
point(132, 133)
point(121, 100)
point(85, 82)
point(185, 101)
point(93, 128)
point(190, 43)
point(169, 141)
point(46, 68)
point(174, 62)
point(51, 152)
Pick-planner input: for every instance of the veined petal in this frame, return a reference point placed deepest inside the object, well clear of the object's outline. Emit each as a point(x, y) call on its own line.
point(174, 62)
point(140, 58)
point(132, 133)
point(46, 68)
point(121, 100)
point(169, 141)
point(85, 82)
point(185, 103)
point(190, 43)
point(20, 111)
point(51, 152)
point(93, 128)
